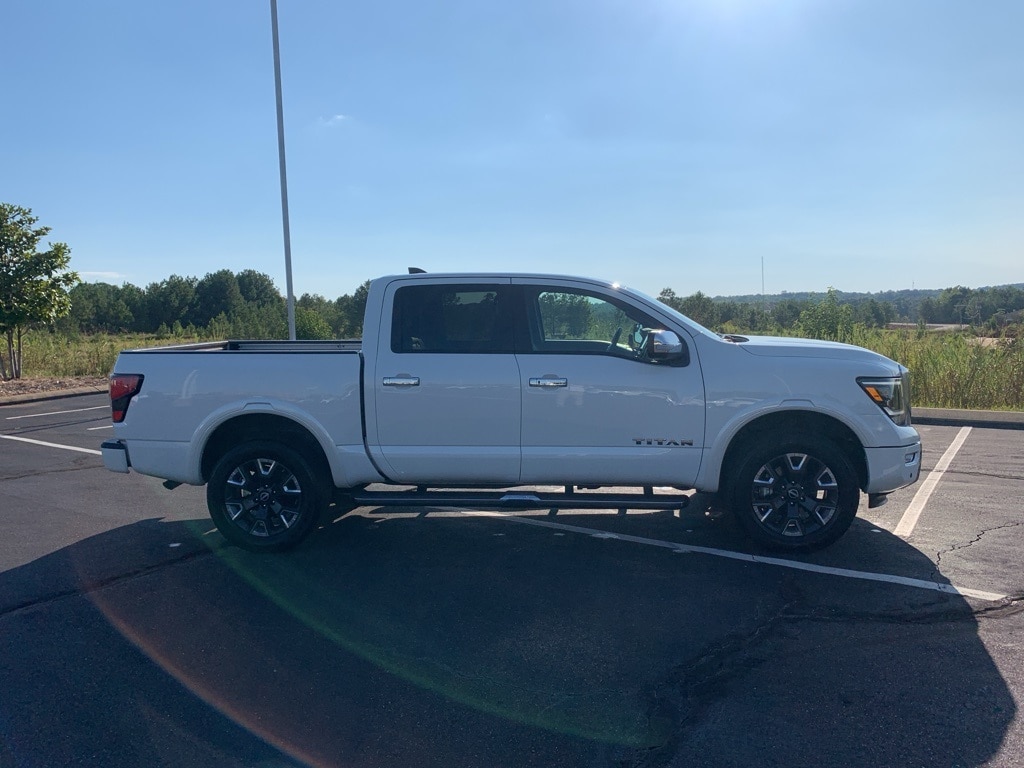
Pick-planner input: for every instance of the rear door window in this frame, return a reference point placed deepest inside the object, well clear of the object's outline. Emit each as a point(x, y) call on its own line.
point(452, 319)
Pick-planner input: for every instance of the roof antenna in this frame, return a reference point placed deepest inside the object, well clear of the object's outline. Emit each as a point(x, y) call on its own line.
point(417, 271)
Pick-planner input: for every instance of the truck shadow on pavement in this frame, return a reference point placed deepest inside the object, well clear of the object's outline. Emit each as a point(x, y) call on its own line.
point(457, 641)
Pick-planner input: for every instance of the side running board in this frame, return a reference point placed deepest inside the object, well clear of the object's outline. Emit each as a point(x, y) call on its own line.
point(513, 499)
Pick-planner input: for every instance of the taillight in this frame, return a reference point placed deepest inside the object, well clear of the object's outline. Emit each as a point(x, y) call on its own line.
point(123, 387)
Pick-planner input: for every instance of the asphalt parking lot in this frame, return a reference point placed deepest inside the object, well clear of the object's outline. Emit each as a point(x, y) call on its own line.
point(131, 635)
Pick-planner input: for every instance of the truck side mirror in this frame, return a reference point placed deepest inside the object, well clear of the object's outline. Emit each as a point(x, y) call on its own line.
point(665, 346)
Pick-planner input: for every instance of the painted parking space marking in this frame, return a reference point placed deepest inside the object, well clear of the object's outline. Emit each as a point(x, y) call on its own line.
point(910, 517)
point(105, 426)
point(91, 451)
point(742, 556)
point(55, 413)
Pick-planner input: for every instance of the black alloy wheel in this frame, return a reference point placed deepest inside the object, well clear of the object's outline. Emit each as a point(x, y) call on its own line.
point(264, 497)
point(795, 494)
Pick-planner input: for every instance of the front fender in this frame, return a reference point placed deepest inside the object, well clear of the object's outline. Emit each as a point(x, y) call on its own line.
point(735, 424)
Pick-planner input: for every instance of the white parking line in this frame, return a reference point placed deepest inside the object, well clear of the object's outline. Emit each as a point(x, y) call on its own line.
point(52, 445)
point(909, 519)
point(105, 426)
point(55, 413)
point(688, 548)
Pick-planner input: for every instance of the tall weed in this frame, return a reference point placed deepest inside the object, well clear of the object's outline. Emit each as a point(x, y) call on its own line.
point(953, 370)
point(55, 355)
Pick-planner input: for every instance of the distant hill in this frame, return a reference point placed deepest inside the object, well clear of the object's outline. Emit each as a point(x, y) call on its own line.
point(906, 303)
point(908, 295)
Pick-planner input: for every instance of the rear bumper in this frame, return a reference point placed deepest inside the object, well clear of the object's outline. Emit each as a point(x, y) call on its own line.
point(892, 468)
point(115, 456)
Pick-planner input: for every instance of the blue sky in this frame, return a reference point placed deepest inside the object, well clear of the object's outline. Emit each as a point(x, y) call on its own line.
point(858, 144)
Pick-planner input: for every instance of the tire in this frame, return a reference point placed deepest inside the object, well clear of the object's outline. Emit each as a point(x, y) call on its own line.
point(794, 493)
point(265, 497)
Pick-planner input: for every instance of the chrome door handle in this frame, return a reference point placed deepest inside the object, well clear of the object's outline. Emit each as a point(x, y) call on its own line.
point(548, 383)
point(401, 381)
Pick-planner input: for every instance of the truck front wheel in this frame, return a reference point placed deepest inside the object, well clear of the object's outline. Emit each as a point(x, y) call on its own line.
point(794, 494)
point(264, 497)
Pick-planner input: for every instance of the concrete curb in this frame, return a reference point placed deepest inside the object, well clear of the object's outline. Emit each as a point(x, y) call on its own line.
point(958, 417)
point(53, 394)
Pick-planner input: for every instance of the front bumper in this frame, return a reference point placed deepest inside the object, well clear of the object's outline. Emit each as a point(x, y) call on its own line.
point(892, 468)
point(115, 456)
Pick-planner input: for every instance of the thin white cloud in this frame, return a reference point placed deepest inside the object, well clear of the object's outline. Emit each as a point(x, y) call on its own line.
point(333, 121)
point(101, 276)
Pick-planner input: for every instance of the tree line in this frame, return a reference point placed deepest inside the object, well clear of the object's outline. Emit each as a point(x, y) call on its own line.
point(223, 303)
point(993, 311)
point(249, 305)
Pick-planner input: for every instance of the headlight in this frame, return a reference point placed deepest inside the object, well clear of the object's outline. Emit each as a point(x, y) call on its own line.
point(891, 395)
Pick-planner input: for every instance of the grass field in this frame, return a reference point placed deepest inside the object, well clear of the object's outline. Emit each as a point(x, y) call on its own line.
point(50, 354)
point(948, 370)
point(955, 370)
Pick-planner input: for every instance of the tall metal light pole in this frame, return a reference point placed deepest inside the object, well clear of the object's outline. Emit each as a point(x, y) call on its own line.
point(284, 174)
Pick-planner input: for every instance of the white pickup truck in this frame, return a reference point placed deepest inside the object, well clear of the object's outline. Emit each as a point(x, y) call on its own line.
point(479, 382)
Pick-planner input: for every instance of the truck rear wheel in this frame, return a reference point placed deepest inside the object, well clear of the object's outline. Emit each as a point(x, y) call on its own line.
point(794, 494)
point(264, 496)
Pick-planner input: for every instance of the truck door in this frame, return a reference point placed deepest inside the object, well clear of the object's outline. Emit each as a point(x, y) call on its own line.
point(595, 411)
point(447, 402)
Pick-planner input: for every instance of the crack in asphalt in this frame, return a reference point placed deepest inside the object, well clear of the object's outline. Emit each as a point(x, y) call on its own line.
point(691, 687)
point(1013, 605)
point(969, 473)
point(965, 545)
point(101, 584)
point(687, 691)
point(51, 471)
point(998, 610)
point(36, 428)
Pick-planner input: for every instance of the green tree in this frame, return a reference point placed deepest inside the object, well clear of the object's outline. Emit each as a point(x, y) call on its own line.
point(668, 296)
point(258, 288)
point(134, 299)
point(351, 309)
point(216, 294)
point(927, 311)
point(260, 322)
point(34, 284)
point(169, 301)
point(310, 325)
point(873, 314)
point(326, 309)
point(786, 313)
point(701, 308)
point(828, 319)
point(97, 307)
point(951, 303)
